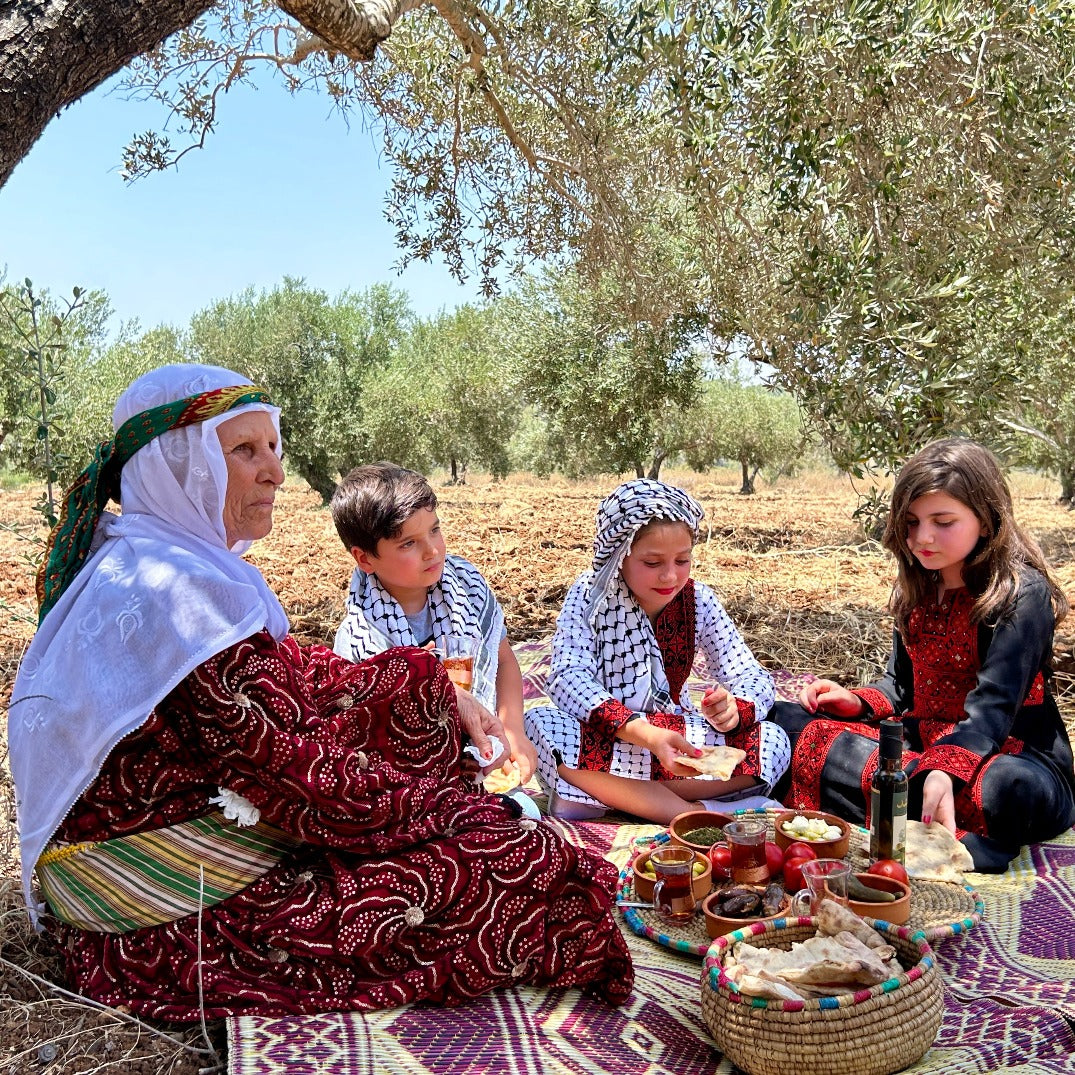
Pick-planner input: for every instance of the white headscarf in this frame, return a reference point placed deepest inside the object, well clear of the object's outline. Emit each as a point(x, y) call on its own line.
point(160, 594)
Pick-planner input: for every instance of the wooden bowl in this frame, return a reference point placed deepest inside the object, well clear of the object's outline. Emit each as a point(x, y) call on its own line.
point(896, 912)
point(717, 925)
point(644, 882)
point(695, 819)
point(825, 849)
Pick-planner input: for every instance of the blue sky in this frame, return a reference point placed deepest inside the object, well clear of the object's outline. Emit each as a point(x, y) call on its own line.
point(283, 187)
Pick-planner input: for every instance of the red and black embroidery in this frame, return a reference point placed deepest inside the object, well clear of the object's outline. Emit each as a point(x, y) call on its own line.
point(599, 735)
point(879, 704)
point(675, 637)
point(956, 761)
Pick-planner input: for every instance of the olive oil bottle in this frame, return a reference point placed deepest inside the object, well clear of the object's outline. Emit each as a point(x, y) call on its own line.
point(888, 797)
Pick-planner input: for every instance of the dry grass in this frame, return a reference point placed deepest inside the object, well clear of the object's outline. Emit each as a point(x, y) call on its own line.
point(794, 571)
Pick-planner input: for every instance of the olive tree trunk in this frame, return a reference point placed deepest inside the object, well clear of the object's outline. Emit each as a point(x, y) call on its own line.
point(52, 52)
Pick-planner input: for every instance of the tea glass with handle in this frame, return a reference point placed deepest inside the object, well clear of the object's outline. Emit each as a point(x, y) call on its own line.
point(673, 894)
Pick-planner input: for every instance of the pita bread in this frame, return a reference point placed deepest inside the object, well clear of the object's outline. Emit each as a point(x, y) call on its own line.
point(934, 854)
point(498, 782)
point(833, 918)
point(716, 762)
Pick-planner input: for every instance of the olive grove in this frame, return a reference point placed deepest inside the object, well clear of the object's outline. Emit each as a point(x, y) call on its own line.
point(874, 200)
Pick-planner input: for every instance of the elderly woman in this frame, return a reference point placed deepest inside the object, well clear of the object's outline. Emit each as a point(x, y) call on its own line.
point(224, 821)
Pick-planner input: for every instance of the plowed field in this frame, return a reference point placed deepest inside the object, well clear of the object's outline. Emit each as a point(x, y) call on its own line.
point(791, 564)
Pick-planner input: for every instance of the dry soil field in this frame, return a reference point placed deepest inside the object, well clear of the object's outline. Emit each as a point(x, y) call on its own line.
point(792, 566)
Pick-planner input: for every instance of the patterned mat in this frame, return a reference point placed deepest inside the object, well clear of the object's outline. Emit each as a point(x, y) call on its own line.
point(1009, 984)
point(1009, 993)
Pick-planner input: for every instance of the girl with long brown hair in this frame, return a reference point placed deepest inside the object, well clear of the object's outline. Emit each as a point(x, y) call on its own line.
point(975, 607)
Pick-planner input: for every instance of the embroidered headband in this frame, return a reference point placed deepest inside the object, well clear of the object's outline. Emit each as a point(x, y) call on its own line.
point(69, 543)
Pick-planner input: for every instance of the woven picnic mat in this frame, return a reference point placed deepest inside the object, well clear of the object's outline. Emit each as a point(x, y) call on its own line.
point(1008, 985)
point(1009, 991)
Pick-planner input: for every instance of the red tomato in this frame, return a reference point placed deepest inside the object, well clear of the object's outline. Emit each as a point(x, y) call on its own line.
point(799, 849)
point(774, 859)
point(720, 858)
point(793, 872)
point(889, 868)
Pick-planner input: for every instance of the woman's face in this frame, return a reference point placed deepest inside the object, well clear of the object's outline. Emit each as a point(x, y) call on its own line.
point(254, 474)
point(658, 565)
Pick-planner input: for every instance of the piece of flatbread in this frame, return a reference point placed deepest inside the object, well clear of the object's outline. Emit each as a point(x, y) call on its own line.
point(934, 854)
point(716, 762)
point(834, 918)
point(498, 782)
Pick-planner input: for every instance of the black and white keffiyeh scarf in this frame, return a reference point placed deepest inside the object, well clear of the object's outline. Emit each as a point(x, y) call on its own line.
point(461, 603)
point(627, 649)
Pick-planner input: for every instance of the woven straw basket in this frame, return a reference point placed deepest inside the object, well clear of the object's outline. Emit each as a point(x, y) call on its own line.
point(871, 1032)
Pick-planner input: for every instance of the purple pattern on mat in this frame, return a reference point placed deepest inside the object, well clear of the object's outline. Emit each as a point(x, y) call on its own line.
point(1009, 983)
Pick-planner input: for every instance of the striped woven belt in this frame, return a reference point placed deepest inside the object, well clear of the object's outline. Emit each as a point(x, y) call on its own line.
point(129, 882)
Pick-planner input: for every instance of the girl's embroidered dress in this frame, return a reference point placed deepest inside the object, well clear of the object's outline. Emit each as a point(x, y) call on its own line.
point(975, 704)
point(592, 700)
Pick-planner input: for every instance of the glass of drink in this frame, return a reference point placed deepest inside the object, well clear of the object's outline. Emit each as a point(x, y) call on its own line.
point(747, 842)
point(826, 879)
point(673, 894)
point(457, 653)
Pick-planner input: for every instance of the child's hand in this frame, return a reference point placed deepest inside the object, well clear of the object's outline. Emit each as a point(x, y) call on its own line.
point(663, 743)
point(830, 697)
point(719, 708)
point(523, 754)
point(938, 800)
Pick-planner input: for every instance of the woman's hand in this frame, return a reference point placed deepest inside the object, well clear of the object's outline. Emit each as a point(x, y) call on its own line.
point(830, 697)
point(663, 743)
point(938, 800)
point(479, 724)
point(521, 751)
point(719, 708)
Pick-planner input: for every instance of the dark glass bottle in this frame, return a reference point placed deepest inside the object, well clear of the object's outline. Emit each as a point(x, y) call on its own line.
point(888, 797)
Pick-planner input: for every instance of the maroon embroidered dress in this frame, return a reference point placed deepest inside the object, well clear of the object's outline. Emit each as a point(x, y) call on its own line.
point(975, 704)
point(410, 886)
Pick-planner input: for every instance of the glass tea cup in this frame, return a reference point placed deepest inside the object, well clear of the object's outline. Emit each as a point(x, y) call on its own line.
point(457, 654)
point(747, 842)
point(673, 894)
point(826, 879)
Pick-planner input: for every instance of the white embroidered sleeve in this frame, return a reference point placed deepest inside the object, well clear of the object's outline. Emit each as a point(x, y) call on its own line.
point(727, 657)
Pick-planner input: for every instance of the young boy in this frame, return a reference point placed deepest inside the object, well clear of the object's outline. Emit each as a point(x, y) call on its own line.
point(407, 591)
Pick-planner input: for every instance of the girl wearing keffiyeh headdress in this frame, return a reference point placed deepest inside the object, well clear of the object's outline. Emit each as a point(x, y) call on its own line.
point(625, 644)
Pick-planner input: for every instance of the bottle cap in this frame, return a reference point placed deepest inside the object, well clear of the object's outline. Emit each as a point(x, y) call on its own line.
point(891, 744)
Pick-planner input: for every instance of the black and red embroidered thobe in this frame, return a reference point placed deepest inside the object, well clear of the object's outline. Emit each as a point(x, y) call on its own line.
point(975, 703)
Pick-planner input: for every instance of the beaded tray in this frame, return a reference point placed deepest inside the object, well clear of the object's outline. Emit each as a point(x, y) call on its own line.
point(938, 909)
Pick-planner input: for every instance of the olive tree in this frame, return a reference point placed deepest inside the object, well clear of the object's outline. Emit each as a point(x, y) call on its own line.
point(312, 354)
point(447, 398)
point(749, 424)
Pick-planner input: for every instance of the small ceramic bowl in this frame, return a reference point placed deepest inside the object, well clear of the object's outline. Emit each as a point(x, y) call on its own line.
point(825, 849)
point(692, 820)
point(896, 912)
point(717, 925)
point(644, 882)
